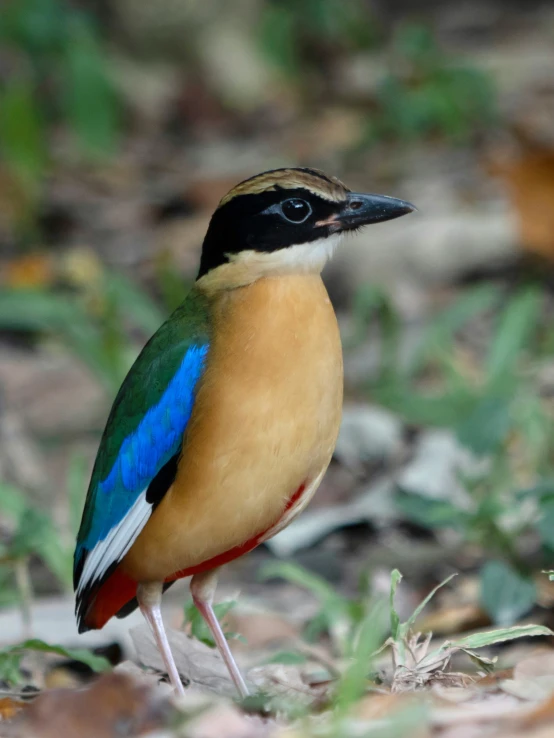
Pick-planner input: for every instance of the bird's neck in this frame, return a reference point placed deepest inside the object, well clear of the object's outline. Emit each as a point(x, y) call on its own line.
point(249, 266)
point(277, 303)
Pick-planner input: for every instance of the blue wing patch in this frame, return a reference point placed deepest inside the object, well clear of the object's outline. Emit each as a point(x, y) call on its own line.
point(157, 438)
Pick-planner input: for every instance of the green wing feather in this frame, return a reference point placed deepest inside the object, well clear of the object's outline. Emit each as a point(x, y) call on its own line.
point(146, 423)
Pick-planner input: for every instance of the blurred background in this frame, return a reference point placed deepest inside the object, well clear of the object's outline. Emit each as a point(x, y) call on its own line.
point(122, 123)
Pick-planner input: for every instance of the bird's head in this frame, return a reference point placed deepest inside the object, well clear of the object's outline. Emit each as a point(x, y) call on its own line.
point(285, 221)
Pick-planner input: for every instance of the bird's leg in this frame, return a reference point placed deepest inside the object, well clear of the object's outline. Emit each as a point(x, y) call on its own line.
point(149, 596)
point(202, 588)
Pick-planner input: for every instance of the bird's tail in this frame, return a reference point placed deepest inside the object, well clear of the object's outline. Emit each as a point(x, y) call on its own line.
point(95, 607)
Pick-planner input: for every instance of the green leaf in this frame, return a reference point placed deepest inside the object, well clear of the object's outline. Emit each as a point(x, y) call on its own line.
point(395, 579)
point(278, 38)
point(354, 680)
point(21, 128)
point(36, 534)
point(34, 310)
point(440, 409)
point(77, 479)
point(198, 626)
point(500, 635)
point(90, 102)
point(287, 657)
point(544, 489)
point(487, 426)
point(409, 624)
point(545, 524)
point(12, 501)
point(505, 594)
point(11, 656)
point(134, 302)
point(35, 26)
point(335, 609)
point(439, 336)
point(429, 512)
point(318, 586)
point(515, 328)
point(10, 667)
point(370, 303)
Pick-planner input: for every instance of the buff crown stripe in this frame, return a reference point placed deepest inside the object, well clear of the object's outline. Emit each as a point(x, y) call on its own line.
point(315, 182)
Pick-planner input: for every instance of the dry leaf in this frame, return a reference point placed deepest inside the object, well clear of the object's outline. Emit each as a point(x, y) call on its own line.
point(453, 620)
point(198, 665)
point(533, 677)
point(530, 180)
point(227, 721)
point(114, 705)
point(281, 680)
point(380, 706)
point(9, 707)
point(32, 270)
point(260, 630)
point(539, 663)
point(542, 714)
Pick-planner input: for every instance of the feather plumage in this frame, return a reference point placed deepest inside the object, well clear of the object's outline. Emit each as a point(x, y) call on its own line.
point(136, 461)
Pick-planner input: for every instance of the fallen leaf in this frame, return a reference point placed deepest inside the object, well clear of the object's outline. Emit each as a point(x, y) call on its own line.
point(540, 663)
point(227, 721)
point(114, 705)
point(32, 270)
point(530, 180)
point(533, 677)
point(531, 690)
point(455, 695)
point(542, 714)
point(450, 620)
point(292, 682)
point(494, 679)
point(260, 630)
point(379, 706)
point(9, 707)
point(199, 665)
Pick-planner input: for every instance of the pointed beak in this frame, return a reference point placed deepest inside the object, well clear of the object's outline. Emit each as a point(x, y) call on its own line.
point(360, 210)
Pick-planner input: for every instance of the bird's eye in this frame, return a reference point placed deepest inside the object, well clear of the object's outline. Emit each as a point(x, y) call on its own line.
point(296, 210)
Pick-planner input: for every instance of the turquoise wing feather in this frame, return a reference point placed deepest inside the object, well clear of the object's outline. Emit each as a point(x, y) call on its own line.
point(141, 443)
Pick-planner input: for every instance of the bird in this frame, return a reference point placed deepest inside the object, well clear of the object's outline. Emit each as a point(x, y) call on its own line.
point(227, 421)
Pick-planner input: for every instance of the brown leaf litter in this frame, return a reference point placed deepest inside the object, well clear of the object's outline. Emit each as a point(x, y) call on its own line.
point(130, 702)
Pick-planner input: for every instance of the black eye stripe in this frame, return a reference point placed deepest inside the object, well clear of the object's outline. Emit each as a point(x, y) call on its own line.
point(296, 210)
point(257, 222)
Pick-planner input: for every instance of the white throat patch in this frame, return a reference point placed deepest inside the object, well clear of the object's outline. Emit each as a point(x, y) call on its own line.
point(303, 257)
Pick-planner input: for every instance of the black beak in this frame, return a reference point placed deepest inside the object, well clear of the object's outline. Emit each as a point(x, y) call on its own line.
point(360, 210)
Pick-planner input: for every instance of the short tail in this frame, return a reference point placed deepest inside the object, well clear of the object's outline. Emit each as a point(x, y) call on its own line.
point(95, 606)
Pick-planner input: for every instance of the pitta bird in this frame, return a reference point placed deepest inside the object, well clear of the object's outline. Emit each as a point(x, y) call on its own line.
point(226, 423)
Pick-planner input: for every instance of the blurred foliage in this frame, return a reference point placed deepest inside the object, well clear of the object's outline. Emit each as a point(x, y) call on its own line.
point(300, 36)
point(55, 81)
point(365, 634)
point(340, 617)
point(426, 93)
point(53, 71)
point(198, 627)
point(493, 400)
point(33, 533)
point(94, 323)
point(11, 657)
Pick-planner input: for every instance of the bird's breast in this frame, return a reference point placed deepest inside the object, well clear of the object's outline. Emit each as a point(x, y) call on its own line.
point(264, 423)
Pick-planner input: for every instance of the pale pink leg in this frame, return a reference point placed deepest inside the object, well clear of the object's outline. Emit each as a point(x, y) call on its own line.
point(202, 588)
point(149, 596)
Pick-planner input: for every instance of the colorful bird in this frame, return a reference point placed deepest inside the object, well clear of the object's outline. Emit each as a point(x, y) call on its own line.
point(226, 423)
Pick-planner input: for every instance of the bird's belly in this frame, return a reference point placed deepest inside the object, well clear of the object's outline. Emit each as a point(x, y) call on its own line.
point(264, 425)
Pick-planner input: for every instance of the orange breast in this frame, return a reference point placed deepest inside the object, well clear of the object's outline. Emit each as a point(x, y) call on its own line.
point(265, 422)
